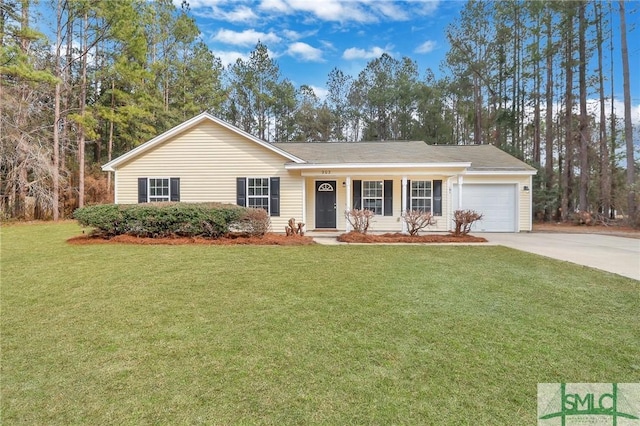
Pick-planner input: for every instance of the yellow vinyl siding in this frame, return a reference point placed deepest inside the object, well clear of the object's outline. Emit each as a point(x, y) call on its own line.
point(525, 214)
point(208, 158)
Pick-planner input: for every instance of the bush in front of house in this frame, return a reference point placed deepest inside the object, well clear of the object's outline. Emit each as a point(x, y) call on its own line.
point(463, 219)
point(157, 220)
point(107, 219)
point(417, 220)
point(360, 220)
point(254, 222)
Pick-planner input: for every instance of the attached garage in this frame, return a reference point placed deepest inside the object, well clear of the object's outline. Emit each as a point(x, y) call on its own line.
point(496, 202)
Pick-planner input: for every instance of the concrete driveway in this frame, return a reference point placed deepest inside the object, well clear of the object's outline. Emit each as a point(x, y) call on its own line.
point(619, 255)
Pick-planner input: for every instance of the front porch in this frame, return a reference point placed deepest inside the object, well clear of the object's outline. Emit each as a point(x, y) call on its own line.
point(327, 197)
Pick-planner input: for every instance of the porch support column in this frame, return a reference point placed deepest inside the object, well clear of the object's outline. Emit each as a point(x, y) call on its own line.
point(304, 204)
point(405, 203)
point(460, 181)
point(347, 201)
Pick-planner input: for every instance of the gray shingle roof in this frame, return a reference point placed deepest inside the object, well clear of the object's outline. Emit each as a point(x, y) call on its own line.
point(482, 157)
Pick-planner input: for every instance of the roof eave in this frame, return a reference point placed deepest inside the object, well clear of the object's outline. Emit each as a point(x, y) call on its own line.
point(501, 172)
point(342, 166)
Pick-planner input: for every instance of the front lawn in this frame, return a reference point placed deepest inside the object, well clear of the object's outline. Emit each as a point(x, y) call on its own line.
point(128, 334)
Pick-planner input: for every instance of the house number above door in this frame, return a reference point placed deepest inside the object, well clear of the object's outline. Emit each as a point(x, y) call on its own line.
point(325, 187)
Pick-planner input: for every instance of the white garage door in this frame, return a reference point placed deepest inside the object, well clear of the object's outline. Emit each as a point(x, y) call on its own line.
point(496, 202)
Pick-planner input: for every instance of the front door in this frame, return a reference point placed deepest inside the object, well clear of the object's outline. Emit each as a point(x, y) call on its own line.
point(326, 204)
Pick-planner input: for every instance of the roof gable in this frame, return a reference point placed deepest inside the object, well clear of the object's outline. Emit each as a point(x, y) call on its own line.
point(189, 124)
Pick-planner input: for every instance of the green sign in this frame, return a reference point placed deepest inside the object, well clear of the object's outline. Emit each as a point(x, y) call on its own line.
point(614, 404)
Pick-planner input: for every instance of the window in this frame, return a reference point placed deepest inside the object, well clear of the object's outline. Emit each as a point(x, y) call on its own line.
point(258, 193)
point(262, 193)
point(158, 189)
point(421, 195)
point(372, 196)
point(425, 195)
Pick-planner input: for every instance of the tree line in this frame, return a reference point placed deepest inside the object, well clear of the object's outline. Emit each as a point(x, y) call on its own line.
point(533, 78)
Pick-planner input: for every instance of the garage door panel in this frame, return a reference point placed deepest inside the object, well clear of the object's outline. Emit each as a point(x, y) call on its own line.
point(496, 202)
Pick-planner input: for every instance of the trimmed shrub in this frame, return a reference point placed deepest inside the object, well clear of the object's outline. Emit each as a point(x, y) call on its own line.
point(360, 220)
point(210, 220)
point(417, 220)
point(255, 222)
point(107, 219)
point(463, 220)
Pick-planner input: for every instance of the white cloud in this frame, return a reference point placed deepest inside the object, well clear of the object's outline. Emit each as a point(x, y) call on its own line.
point(279, 6)
point(426, 47)
point(360, 11)
point(305, 52)
point(357, 53)
point(245, 38)
point(326, 10)
point(390, 10)
point(296, 35)
point(292, 35)
point(241, 14)
point(427, 7)
point(229, 12)
point(228, 57)
point(327, 45)
point(593, 106)
point(320, 92)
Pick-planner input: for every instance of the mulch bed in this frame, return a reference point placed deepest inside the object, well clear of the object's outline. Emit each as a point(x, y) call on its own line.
point(229, 240)
point(273, 239)
point(355, 237)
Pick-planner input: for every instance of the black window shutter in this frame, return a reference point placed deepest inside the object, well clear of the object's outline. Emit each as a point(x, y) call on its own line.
point(241, 191)
point(175, 189)
point(274, 193)
point(437, 198)
point(408, 206)
point(142, 190)
point(357, 194)
point(388, 197)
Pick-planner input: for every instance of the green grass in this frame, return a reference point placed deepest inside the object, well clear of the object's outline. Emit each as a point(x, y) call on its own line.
point(117, 334)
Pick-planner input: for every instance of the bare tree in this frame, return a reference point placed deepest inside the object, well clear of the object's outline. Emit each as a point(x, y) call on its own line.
point(628, 129)
point(605, 174)
point(567, 175)
point(584, 117)
point(548, 167)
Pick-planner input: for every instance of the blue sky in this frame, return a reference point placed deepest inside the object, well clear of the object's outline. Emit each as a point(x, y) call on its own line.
point(308, 38)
